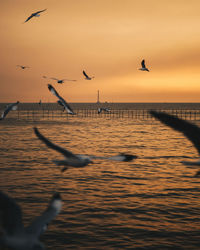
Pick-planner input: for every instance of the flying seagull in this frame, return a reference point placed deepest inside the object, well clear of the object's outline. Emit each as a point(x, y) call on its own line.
point(86, 76)
point(107, 110)
point(23, 67)
point(15, 235)
point(64, 103)
point(143, 66)
point(12, 106)
point(62, 80)
point(76, 160)
point(36, 14)
point(191, 131)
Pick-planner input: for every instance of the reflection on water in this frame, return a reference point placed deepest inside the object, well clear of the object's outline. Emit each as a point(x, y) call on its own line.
point(152, 202)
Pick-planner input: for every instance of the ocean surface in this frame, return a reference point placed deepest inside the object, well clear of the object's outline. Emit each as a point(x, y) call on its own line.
point(152, 202)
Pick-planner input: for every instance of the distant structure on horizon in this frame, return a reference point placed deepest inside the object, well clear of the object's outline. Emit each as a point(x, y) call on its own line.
point(98, 100)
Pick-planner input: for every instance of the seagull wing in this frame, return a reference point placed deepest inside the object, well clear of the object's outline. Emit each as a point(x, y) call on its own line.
point(10, 107)
point(49, 144)
point(39, 225)
point(191, 131)
point(32, 15)
point(143, 63)
point(60, 103)
point(53, 91)
point(10, 214)
point(39, 11)
point(85, 74)
point(119, 157)
point(69, 80)
point(53, 78)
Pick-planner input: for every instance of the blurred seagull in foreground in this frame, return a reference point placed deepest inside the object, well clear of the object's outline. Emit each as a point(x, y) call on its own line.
point(191, 131)
point(15, 235)
point(23, 67)
point(76, 160)
point(62, 80)
point(64, 103)
point(86, 76)
point(143, 66)
point(35, 14)
point(12, 106)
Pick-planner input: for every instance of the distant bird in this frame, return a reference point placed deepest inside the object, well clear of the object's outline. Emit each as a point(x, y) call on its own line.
point(86, 76)
point(64, 103)
point(44, 77)
point(15, 235)
point(36, 14)
point(12, 106)
point(62, 80)
point(76, 160)
point(143, 66)
point(23, 67)
point(191, 131)
point(107, 110)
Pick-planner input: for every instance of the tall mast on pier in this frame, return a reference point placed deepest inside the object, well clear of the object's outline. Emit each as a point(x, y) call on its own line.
point(98, 101)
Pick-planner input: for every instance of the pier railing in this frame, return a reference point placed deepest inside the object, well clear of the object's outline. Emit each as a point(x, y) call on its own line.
point(142, 114)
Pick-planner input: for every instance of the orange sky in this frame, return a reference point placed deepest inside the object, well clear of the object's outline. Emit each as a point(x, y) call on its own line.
point(107, 38)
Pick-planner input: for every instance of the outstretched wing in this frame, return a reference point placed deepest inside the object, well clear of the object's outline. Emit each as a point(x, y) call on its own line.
point(39, 11)
point(10, 214)
point(39, 225)
point(119, 157)
point(10, 107)
point(49, 144)
point(70, 80)
point(65, 104)
point(85, 74)
point(143, 63)
point(191, 131)
point(32, 15)
point(53, 78)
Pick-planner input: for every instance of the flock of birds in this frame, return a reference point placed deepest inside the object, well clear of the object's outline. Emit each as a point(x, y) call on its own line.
point(18, 237)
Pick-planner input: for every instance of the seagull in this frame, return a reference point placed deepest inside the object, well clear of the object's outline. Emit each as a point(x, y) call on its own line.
point(143, 66)
point(60, 103)
point(12, 106)
point(86, 76)
point(64, 103)
point(15, 235)
point(23, 67)
point(77, 160)
point(40, 102)
point(62, 80)
point(36, 14)
point(107, 110)
point(191, 131)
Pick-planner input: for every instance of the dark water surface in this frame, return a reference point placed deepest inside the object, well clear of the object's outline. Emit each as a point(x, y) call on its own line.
point(150, 203)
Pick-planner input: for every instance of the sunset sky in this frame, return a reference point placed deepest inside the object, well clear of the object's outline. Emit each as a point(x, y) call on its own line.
point(106, 38)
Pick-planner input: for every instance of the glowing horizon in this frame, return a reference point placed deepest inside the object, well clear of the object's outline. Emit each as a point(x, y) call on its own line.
point(107, 39)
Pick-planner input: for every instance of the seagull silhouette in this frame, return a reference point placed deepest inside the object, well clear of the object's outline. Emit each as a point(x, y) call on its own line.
point(62, 80)
point(12, 106)
point(77, 160)
point(15, 235)
point(191, 131)
point(23, 67)
point(35, 14)
point(107, 110)
point(143, 66)
point(64, 103)
point(86, 76)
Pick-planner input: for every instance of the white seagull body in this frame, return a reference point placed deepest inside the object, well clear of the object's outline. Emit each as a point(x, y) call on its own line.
point(64, 103)
point(144, 68)
point(62, 80)
point(12, 106)
point(35, 14)
point(107, 110)
point(191, 131)
point(86, 76)
point(15, 235)
point(77, 160)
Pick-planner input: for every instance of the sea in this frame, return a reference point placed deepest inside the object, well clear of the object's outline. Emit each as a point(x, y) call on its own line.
point(152, 202)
